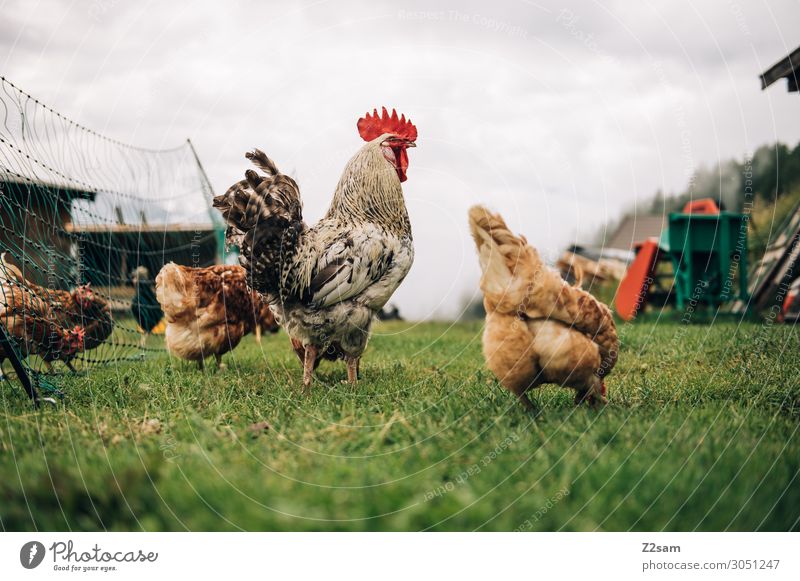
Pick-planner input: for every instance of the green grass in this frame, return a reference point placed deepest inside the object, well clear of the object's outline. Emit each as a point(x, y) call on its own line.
point(701, 433)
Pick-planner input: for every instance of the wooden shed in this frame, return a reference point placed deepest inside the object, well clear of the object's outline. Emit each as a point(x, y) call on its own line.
point(35, 223)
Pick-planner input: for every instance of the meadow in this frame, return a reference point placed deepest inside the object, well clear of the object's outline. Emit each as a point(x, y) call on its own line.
point(701, 434)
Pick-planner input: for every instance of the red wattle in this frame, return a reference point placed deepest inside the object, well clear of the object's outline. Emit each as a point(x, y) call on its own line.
point(402, 162)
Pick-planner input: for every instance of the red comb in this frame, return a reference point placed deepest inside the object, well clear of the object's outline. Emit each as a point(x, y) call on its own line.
point(372, 126)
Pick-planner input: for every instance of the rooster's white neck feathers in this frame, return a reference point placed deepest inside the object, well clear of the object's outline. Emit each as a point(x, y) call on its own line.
point(369, 191)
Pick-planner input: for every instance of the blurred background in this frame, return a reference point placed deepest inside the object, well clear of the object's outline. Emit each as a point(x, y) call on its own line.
point(567, 117)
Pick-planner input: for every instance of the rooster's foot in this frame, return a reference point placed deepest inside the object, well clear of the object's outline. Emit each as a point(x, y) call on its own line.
point(352, 369)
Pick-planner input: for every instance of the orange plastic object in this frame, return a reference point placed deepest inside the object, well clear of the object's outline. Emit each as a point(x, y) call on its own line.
point(703, 206)
point(632, 291)
point(787, 304)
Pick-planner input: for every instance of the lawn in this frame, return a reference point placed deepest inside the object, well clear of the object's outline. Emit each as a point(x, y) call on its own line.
point(701, 434)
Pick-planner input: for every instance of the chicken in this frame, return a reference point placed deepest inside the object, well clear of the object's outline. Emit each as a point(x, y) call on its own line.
point(326, 283)
point(144, 305)
point(93, 314)
point(208, 310)
point(80, 308)
point(32, 325)
point(539, 329)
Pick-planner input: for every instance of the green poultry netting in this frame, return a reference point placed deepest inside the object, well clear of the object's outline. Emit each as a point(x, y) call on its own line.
point(86, 223)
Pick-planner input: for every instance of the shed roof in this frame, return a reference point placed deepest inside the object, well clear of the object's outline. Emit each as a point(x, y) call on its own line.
point(18, 185)
point(635, 229)
point(787, 68)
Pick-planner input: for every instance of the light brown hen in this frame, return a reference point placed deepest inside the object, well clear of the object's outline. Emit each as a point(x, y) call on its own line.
point(208, 310)
point(539, 329)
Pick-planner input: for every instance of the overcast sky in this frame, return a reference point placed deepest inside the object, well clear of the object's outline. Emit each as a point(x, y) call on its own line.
point(558, 114)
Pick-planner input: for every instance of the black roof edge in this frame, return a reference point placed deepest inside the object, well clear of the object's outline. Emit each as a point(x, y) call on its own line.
point(787, 68)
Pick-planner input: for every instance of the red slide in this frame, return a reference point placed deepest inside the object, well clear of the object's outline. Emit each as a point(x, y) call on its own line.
point(632, 291)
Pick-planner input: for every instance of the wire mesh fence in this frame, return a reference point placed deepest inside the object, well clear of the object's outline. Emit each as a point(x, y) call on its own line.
point(86, 222)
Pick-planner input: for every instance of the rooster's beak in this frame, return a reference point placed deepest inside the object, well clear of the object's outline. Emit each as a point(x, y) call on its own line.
point(411, 144)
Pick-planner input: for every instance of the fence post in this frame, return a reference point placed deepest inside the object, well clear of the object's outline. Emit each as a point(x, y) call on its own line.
point(16, 363)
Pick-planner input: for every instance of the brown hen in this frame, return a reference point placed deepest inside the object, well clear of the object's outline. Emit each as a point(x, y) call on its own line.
point(208, 310)
point(34, 327)
point(539, 329)
point(80, 308)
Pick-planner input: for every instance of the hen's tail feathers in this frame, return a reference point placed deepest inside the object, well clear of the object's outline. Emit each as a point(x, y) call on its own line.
point(577, 275)
point(174, 291)
point(499, 253)
point(7, 268)
point(515, 280)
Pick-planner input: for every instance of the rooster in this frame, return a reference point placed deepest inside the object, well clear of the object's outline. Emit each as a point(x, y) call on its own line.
point(539, 329)
point(326, 283)
point(208, 310)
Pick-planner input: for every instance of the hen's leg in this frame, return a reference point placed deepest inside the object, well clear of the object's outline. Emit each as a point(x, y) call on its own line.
point(220, 364)
point(308, 366)
point(69, 365)
point(201, 364)
point(258, 334)
point(530, 407)
point(352, 369)
point(592, 395)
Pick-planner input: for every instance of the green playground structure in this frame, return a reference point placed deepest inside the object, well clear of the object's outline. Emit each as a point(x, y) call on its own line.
point(707, 252)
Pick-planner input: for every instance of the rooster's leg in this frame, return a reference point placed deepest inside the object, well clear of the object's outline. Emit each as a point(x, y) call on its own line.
point(308, 366)
point(70, 366)
point(352, 369)
point(258, 334)
point(143, 341)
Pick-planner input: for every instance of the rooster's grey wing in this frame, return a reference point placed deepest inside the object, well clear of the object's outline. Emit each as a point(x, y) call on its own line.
point(354, 262)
